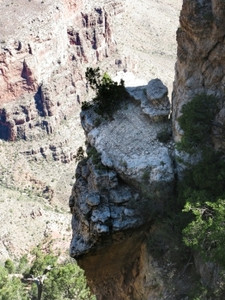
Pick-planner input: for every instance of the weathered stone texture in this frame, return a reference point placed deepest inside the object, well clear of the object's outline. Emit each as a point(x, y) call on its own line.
point(127, 177)
point(200, 55)
point(42, 66)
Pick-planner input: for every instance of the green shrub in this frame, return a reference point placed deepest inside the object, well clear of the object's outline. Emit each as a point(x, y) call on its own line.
point(9, 265)
point(61, 281)
point(96, 158)
point(109, 93)
point(23, 265)
point(41, 261)
point(202, 189)
point(206, 233)
point(11, 288)
point(67, 281)
point(196, 122)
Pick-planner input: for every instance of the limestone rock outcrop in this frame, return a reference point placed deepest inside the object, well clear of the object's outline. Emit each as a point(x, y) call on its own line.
point(124, 158)
point(154, 102)
point(125, 180)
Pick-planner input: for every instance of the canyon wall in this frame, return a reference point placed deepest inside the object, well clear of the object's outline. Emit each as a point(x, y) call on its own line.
point(200, 56)
point(45, 48)
point(120, 237)
point(43, 64)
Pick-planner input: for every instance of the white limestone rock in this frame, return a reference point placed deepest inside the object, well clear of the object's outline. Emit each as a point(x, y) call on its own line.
point(128, 174)
point(129, 145)
point(154, 99)
point(157, 92)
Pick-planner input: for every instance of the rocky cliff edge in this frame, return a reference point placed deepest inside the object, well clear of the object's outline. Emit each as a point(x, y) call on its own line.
point(126, 180)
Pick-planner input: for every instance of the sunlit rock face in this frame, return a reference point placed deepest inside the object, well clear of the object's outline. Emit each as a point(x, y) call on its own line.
point(43, 58)
point(114, 223)
point(127, 170)
point(200, 55)
point(126, 180)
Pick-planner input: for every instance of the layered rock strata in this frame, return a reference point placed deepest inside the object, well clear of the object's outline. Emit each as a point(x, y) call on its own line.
point(200, 70)
point(45, 48)
point(42, 65)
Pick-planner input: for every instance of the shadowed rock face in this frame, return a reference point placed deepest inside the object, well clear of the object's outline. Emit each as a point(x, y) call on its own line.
point(200, 55)
point(43, 62)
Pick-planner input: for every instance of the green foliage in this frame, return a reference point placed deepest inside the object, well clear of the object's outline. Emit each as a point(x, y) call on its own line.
point(206, 233)
point(202, 189)
point(9, 265)
point(11, 288)
point(67, 281)
point(205, 180)
point(3, 276)
point(196, 122)
point(145, 176)
point(96, 158)
point(94, 155)
point(41, 262)
point(62, 282)
point(23, 265)
point(109, 93)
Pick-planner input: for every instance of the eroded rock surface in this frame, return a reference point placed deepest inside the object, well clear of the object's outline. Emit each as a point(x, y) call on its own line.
point(127, 177)
point(43, 58)
point(43, 64)
point(200, 55)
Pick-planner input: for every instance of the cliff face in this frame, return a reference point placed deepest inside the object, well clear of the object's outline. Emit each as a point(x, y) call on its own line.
point(200, 55)
point(43, 58)
point(110, 194)
point(43, 55)
point(129, 175)
point(125, 181)
point(44, 63)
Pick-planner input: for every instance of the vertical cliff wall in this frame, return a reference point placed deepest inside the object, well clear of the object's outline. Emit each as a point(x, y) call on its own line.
point(43, 61)
point(200, 55)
